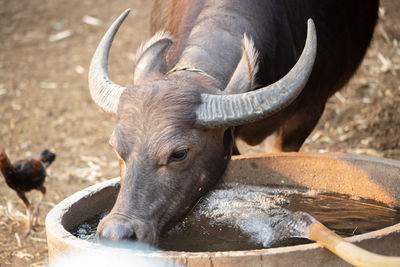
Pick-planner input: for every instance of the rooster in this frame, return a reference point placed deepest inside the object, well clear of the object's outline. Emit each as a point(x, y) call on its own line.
point(25, 175)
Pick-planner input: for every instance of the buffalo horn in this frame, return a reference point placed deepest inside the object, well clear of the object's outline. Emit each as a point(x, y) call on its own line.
point(103, 90)
point(237, 109)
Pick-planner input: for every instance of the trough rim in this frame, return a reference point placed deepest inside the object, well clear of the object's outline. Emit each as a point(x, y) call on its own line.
point(54, 227)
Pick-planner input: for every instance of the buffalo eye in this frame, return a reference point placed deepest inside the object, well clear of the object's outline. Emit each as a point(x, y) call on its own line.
point(178, 155)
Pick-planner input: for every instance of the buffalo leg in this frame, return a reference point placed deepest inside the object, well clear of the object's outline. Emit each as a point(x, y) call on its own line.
point(266, 146)
point(289, 133)
point(297, 128)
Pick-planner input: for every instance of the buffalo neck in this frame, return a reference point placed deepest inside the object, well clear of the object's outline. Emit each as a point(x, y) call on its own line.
point(209, 34)
point(213, 43)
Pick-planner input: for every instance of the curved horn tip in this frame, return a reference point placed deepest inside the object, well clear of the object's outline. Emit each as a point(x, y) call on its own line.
point(126, 12)
point(311, 29)
point(103, 90)
point(310, 23)
point(122, 17)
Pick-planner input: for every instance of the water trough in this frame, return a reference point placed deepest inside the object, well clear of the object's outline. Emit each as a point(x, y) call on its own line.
point(361, 176)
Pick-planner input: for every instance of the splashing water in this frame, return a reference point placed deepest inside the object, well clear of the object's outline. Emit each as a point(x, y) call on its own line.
point(256, 211)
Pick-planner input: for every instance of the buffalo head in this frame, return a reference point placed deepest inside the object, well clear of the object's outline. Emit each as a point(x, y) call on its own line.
point(174, 135)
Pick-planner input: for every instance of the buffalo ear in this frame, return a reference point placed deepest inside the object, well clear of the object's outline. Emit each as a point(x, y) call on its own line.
point(152, 56)
point(243, 77)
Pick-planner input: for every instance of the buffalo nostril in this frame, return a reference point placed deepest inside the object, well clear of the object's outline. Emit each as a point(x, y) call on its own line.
point(116, 231)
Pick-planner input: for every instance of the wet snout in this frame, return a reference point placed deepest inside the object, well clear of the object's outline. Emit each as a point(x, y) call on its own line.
point(116, 231)
point(117, 227)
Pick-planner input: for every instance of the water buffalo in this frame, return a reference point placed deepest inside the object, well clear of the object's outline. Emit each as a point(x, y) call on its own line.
point(219, 71)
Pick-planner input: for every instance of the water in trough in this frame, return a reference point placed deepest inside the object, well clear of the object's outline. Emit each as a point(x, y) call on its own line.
point(243, 217)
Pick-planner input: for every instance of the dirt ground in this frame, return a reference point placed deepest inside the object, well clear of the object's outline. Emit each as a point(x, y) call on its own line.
point(45, 50)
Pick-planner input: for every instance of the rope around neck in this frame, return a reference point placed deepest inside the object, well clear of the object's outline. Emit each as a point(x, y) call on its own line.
point(191, 69)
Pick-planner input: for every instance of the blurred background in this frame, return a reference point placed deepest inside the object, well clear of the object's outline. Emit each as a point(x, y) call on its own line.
point(45, 51)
